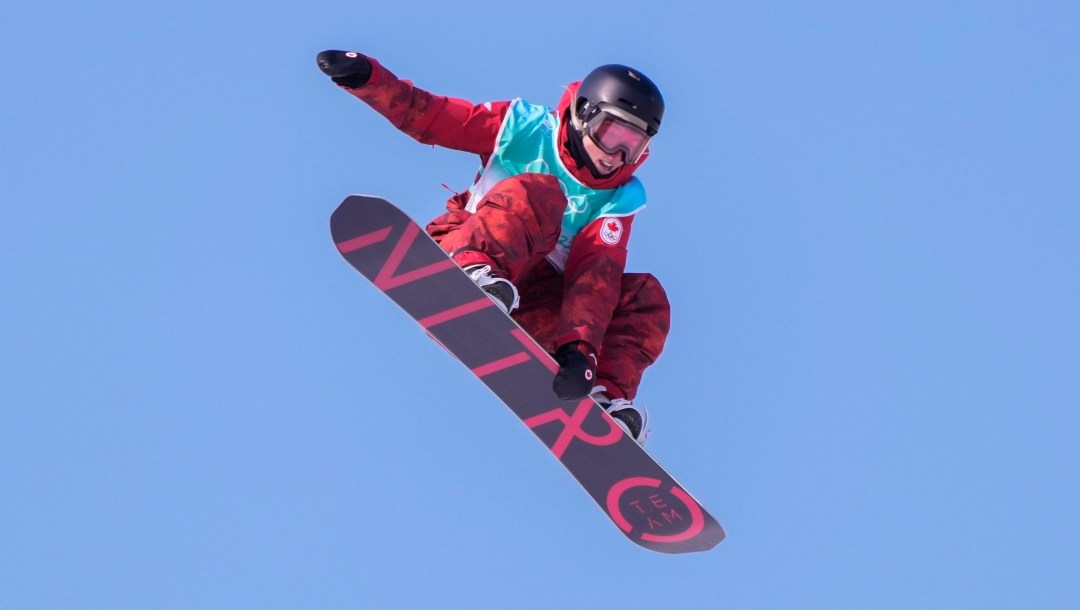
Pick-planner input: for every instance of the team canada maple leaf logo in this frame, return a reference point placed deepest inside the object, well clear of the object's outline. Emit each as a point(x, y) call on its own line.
point(611, 232)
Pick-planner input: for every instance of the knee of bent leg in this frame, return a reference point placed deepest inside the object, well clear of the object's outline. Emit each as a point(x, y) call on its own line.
point(647, 294)
point(541, 192)
point(648, 288)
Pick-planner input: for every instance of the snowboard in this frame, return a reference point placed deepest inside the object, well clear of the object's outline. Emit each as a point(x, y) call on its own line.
point(637, 494)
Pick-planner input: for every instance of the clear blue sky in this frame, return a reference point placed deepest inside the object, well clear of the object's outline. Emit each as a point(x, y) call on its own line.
point(866, 215)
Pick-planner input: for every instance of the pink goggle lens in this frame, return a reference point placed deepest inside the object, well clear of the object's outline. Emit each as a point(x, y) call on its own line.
point(613, 135)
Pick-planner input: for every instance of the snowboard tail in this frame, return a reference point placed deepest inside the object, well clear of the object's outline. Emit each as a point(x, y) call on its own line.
point(400, 259)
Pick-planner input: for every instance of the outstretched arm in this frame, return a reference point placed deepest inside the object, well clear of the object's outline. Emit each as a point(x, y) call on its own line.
point(428, 118)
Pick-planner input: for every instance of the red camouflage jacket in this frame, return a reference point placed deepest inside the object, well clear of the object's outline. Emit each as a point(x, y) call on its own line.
point(593, 271)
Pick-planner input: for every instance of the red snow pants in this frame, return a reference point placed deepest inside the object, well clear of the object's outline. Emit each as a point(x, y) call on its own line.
point(514, 228)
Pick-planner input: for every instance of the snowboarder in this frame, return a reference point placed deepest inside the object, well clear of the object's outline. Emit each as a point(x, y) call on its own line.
point(544, 227)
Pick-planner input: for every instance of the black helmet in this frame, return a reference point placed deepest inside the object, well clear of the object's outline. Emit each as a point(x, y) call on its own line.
point(626, 91)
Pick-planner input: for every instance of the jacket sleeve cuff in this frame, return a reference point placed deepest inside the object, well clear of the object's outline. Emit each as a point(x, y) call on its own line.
point(577, 334)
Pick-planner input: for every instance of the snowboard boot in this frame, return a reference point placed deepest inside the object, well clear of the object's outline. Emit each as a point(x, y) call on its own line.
point(498, 288)
point(632, 418)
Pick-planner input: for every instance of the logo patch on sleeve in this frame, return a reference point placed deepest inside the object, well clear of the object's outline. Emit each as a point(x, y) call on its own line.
point(611, 232)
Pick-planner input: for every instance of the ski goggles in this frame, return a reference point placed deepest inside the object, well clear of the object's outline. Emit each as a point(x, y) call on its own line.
point(615, 134)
